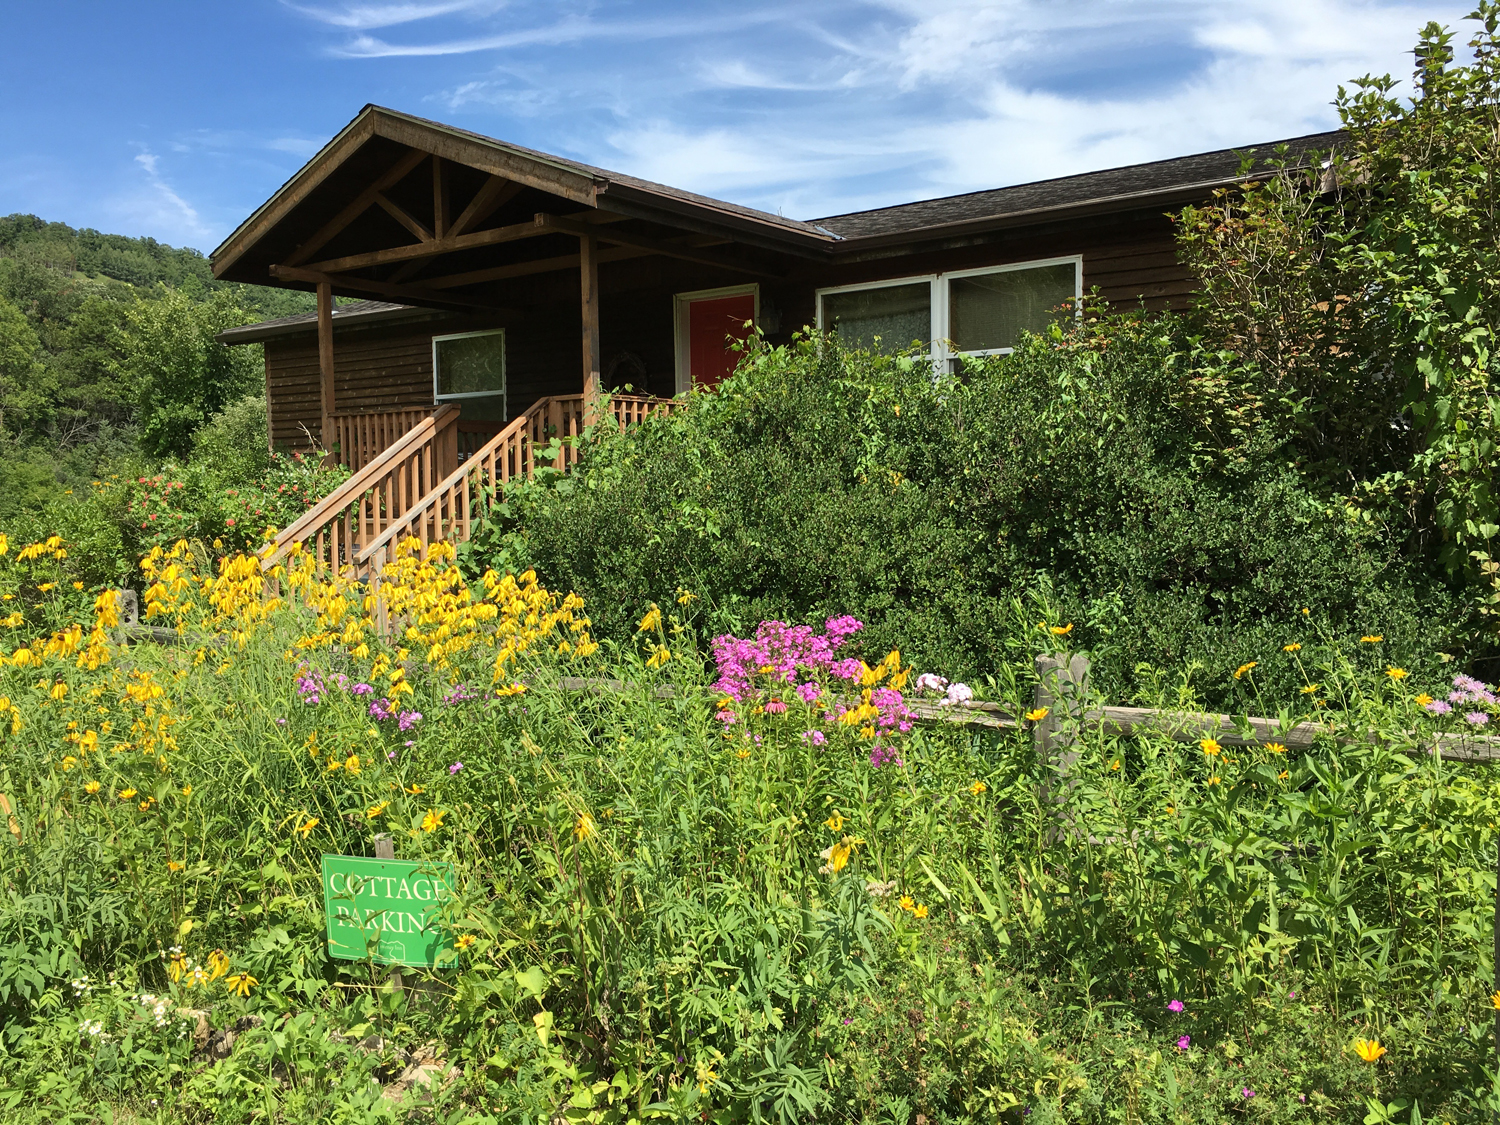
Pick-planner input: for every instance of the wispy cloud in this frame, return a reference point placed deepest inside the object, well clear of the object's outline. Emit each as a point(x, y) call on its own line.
point(184, 214)
point(362, 17)
point(820, 109)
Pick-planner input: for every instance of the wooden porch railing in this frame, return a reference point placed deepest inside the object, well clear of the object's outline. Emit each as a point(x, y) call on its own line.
point(359, 437)
point(427, 485)
point(377, 493)
point(450, 509)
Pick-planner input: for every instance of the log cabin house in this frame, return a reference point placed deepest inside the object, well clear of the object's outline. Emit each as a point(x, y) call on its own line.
point(501, 289)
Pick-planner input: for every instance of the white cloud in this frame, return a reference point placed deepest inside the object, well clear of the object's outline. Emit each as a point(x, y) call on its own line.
point(819, 109)
point(362, 17)
point(158, 207)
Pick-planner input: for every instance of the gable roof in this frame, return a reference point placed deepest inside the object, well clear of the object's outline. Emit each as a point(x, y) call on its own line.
point(355, 312)
point(1131, 185)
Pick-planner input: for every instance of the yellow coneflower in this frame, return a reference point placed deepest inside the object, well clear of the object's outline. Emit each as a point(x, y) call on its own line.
point(240, 984)
point(1372, 639)
point(375, 810)
point(977, 788)
point(1062, 630)
point(1369, 1049)
point(1036, 714)
point(585, 827)
point(1210, 746)
point(463, 941)
point(92, 787)
point(836, 821)
point(1397, 674)
point(1243, 669)
point(1276, 748)
point(1293, 647)
point(307, 826)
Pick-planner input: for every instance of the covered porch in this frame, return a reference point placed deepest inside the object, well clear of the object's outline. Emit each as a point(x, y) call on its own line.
point(499, 276)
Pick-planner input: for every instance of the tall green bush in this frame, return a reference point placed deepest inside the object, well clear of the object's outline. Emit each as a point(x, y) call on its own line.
point(821, 480)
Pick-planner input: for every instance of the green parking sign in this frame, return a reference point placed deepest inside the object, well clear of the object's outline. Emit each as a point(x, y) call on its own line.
point(385, 910)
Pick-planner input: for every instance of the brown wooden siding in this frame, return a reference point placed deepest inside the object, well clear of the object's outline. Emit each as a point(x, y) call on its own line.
point(1130, 259)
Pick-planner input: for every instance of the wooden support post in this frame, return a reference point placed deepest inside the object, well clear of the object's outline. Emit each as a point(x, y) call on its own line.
point(588, 272)
point(439, 200)
point(385, 848)
point(1062, 688)
point(325, 360)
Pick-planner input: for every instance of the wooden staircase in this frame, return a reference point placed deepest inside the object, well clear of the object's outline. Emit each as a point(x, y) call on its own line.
point(424, 485)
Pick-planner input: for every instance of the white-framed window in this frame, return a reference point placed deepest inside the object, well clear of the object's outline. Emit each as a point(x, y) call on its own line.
point(979, 311)
point(470, 366)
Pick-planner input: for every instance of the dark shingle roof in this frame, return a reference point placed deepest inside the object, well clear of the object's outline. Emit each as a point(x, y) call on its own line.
point(363, 312)
point(1160, 177)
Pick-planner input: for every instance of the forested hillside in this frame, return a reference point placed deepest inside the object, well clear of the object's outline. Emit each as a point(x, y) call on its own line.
point(105, 356)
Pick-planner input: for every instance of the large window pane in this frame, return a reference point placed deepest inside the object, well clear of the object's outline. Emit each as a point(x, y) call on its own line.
point(469, 365)
point(991, 310)
point(895, 314)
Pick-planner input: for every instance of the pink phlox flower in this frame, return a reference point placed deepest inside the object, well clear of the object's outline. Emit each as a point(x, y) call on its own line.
point(958, 693)
point(380, 709)
point(930, 681)
point(847, 669)
point(816, 737)
point(809, 692)
point(362, 689)
point(882, 755)
point(408, 719)
point(455, 767)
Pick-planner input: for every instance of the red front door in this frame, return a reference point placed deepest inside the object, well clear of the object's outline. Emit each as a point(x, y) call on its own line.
point(712, 323)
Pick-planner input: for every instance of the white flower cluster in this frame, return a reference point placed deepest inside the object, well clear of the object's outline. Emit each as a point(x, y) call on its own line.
point(82, 986)
point(156, 1006)
point(93, 1028)
point(954, 693)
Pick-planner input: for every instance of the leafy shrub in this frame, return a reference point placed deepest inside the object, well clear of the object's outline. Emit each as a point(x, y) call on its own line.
point(1083, 469)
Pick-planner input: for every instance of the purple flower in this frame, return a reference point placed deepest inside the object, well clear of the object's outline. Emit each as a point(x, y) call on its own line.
point(459, 693)
point(455, 767)
point(1439, 707)
point(809, 692)
point(1291, 995)
point(380, 709)
point(362, 689)
point(816, 737)
point(1477, 718)
point(390, 755)
point(410, 742)
point(1176, 1006)
point(1246, 1092)
point(847, 669)
point(775, 707)
point(884, 756)
point(726, 717)
point(311, 688)
point(281, 722)
point(1182, 1043)
point(847, 1021)
point(408, 719)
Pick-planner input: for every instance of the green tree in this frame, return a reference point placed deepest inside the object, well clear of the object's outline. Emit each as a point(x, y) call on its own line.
point(182, 375)
point(1357, 302)
point(20, 396)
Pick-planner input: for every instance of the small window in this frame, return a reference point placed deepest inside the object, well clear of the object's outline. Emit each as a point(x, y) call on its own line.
point(469, 365)
point(989, 311)
point(896, 315)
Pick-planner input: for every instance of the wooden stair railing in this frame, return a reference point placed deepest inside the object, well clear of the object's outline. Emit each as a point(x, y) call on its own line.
point(420, 487)
point(376, 494)
point(359, 437)
point(450, 509)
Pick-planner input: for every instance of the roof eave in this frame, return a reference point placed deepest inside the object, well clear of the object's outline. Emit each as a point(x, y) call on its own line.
point(1132, 201)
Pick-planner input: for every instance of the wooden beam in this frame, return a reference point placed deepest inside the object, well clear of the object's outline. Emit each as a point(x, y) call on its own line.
point(526, 269)
point(325, 360)
point(588, 275)
point(652, 246)
point(363, 286)
point(529, 168)
point(356, 207)
point(355, 134)
point(493, 194)
point(397, 212)
point(439, 199)
point(453, 244)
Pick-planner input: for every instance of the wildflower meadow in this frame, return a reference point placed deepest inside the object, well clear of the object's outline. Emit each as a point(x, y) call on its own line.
point(740, 883)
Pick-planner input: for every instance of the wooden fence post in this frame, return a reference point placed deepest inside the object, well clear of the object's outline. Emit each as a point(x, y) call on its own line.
point(385, 848)
point(1062, 687)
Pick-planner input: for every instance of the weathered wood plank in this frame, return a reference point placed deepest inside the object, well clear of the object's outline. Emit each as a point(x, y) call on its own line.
point(356, 207)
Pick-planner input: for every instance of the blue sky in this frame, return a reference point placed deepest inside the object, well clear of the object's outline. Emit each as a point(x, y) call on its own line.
point(176, 119)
